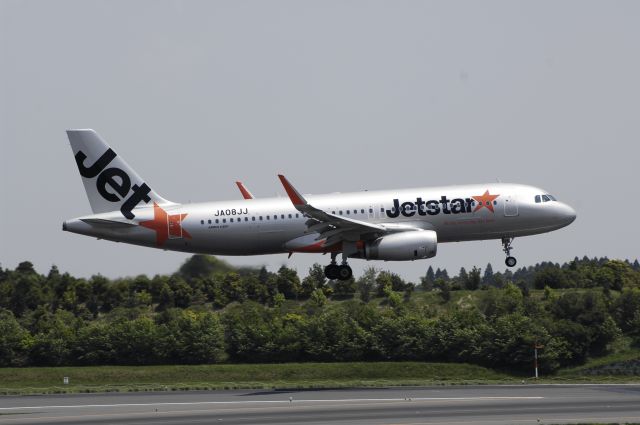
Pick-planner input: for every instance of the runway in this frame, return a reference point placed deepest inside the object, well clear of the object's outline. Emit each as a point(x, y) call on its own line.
point(478, 405)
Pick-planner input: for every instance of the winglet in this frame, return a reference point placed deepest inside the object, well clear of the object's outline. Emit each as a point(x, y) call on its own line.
point(245, 192)
point(296, 198)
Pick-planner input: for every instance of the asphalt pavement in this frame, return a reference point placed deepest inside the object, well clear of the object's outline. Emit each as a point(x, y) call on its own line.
point(478, 405)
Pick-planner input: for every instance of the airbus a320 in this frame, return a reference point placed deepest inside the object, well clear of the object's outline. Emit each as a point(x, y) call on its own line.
point(389, 225)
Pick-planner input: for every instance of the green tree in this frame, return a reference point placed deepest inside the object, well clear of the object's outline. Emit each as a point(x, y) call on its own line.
point(366, 283)
point(202, 266)
point(193, 338)
point(622, 275)
point(94, 345)
point(134, 341)
point(233, 287)
point(500, 302)
point(182, 292)
point(384, 283)
point(445, 289)
point(426, 282)
point(461, 279)
point(550, 276)
point(344, 288)
point(166, 297)
point(441, 274)
point(53, 345)
point(15, 341)
point(626, 310)
point(27, 291)
point(318, 299)
point(288, 282)
point(314, 280)
point(473, 280)
point(336, 335)
point(487, 277)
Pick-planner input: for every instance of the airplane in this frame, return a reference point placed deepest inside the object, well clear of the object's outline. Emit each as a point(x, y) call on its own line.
point(388, 225)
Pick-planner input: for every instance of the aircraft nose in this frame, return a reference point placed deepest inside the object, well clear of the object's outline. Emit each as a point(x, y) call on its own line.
point(566, 213)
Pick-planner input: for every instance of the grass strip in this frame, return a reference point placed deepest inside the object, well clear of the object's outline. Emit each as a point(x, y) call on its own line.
point(47, 380)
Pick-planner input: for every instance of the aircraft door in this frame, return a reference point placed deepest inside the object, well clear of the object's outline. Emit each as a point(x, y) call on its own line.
point(174, 223)
point(510, 206)
point(371, 212)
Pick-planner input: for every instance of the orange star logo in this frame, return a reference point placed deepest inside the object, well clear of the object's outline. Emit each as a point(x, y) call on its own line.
point(485, 200)
point(165, 225)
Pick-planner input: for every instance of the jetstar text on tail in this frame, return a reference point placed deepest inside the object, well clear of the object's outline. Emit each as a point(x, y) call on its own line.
point(113, 183)
point(444, 206)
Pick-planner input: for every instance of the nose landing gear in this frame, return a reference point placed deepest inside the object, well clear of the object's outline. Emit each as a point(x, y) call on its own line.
point(506, 247)
point(340, 272)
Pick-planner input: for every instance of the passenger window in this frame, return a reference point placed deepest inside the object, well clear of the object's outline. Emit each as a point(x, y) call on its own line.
point(381, 209)
point(370, 210)
point(246, 219)
point(362, 211)
point(347, 212)
point(201, 221)
point(260, 218)
point(268, 217)
point(537, 199)
point(340, 212)
point(275, 217)
point(231, 220)
point(217, 220)
point(224, 220)
point(290, 216)
point(282, 216)
point(209, 221)
point(253, 218)
point(296, 215)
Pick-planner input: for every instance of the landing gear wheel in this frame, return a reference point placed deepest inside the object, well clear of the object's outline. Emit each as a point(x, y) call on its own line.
point(506, 247)
point(344, 272)
point(331, 272)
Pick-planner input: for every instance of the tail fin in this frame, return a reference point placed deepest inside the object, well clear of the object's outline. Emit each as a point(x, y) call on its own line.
point(111, 184)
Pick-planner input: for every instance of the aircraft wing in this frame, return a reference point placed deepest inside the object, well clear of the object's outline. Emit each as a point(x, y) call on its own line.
point(333, 228)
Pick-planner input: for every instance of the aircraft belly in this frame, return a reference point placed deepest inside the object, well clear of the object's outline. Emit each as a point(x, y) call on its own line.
point(247, 242)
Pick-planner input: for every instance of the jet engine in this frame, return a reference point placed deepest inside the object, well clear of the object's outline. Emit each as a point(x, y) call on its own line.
point(404, 246)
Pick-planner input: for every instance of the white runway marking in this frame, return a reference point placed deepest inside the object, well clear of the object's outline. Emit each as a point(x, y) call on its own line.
point(195, 403)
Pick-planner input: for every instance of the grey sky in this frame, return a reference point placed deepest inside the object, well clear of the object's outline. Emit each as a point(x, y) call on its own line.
point(339, 96)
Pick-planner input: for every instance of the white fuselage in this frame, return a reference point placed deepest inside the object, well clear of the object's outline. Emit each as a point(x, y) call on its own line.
point(274, 225)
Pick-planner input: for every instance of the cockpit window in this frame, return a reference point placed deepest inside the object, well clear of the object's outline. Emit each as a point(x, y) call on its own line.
point(544, 198)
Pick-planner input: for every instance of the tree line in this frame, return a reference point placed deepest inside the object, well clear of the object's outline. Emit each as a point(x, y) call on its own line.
point(211, 312)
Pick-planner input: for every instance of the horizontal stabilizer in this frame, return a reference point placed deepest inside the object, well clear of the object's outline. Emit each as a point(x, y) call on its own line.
point(101, 222)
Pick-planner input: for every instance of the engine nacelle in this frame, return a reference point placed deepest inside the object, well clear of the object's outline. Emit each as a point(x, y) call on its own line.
point(404, 246)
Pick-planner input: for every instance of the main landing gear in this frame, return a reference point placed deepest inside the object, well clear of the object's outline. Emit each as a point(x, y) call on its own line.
point(506, 247)
point(340, 272)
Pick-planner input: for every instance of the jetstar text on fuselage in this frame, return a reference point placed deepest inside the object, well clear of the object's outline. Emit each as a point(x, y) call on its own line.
point(434, 207)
